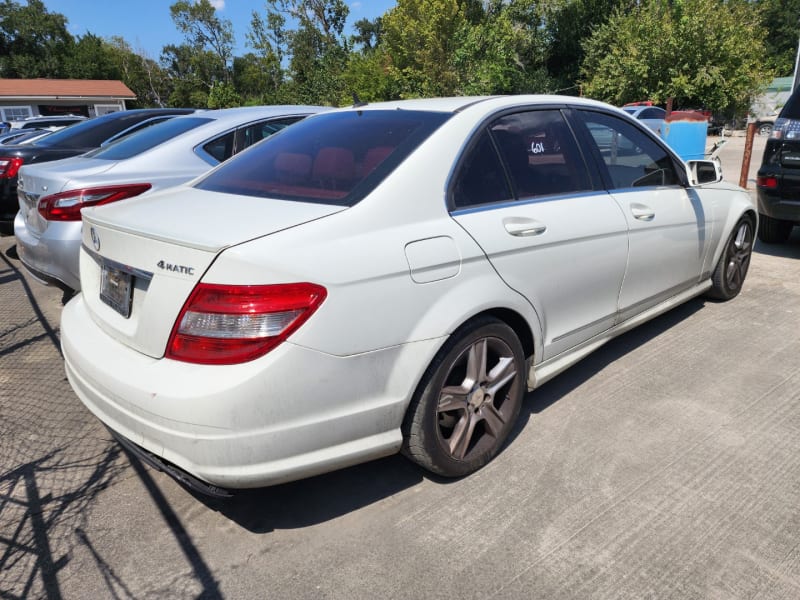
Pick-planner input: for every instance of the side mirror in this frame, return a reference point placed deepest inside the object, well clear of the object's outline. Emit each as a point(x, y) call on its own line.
point(704, 171)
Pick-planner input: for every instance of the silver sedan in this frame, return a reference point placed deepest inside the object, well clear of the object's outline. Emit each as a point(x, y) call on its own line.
point(52, 194)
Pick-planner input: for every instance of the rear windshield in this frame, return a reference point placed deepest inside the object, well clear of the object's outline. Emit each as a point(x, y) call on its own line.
point(334, 158)
point(147, 138)
point(93, 132)
point(791, 109)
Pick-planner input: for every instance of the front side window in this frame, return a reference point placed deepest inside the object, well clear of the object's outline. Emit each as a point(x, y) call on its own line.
point(631, 157)
point(332, 158)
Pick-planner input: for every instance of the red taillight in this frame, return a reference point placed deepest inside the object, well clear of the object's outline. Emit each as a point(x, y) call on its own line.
point(767, 181)
point(228, 324)
point(9, 167)
point(67, 206)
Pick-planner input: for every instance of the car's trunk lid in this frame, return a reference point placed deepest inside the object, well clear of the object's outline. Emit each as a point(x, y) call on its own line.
point(141, 258)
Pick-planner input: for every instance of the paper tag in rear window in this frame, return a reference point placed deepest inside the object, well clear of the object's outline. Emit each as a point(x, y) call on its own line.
point(116, 290)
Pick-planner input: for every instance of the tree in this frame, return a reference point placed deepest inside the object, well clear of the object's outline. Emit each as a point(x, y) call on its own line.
point(782, 20)
point(91, 58)
point(143, 75)
point(210, 37)
point(567, 25)
point(419, 36)
point(319, 50)
point(502, 49)
point(33, 41)
point(368, 33)
point(267, 36)
point(660, 50)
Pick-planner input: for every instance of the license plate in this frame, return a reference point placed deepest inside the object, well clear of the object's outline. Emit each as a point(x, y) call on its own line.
point(116, 290)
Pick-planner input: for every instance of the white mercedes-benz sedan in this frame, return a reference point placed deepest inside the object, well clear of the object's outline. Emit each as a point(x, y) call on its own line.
point(383, 278)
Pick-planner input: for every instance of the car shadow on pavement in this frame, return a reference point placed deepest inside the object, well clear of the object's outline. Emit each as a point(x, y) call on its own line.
point(317, 499)
point(789, 249)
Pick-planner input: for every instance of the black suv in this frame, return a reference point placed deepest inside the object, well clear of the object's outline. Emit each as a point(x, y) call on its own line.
point(71, 141)
point(779, 176)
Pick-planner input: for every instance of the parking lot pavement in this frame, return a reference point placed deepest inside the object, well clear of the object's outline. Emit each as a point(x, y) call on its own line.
point(665, 465)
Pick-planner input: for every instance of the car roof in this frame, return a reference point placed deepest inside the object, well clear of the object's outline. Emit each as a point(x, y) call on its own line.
point(240, 114)
point(489, 103)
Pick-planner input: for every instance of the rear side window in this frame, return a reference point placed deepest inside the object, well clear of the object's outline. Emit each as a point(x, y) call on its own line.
point(221, 148)
point(333, 158)
point(541, 153)
point(147, 138)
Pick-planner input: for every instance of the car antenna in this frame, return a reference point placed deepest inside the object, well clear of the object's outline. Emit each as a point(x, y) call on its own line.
point(357, 101)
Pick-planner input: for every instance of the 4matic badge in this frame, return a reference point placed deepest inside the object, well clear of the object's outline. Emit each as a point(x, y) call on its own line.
point(184, 270)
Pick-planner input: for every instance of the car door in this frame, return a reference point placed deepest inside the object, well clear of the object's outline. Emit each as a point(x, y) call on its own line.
point(669, 226)
point(523, 192)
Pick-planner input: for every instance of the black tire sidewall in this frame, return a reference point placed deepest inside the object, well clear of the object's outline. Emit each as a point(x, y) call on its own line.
point(423, 410)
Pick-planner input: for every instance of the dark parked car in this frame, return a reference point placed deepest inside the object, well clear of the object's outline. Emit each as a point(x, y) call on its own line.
point(71, 141)
point(779, 176)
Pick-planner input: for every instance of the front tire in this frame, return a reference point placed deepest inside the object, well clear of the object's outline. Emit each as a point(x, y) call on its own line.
point(468, 400)
point(731, 270)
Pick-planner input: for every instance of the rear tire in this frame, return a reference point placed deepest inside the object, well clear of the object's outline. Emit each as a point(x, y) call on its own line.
point(731, 270)
point(773, 231)
point(468, 400)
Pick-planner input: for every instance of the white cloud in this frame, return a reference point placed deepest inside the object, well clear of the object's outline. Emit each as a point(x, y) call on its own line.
point(356, 5)
point(218, 4)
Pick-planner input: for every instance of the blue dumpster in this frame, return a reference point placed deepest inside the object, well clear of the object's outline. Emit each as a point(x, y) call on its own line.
point(685, 132)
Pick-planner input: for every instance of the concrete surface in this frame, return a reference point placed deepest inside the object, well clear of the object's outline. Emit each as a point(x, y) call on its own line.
point(666, 465)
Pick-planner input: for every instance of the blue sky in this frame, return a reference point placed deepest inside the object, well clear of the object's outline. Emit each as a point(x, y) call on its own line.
point(147, 26)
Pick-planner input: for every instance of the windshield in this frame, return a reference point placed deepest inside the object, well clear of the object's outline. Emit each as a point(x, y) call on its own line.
point(147, 138)
point(334, 158)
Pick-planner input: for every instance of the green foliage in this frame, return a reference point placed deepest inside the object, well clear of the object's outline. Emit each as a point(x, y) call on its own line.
point(706, 52)
point(33, 41)
point(143, 75)
point(502, 50)
point(419, 37)
point(715, 53)
point(91, 58)
point(782, 20)
point(210, 37)
point(567, 25)
point(223, 95)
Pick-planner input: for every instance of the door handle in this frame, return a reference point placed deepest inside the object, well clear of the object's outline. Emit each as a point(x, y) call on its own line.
point(643, 213)
point(524, 227)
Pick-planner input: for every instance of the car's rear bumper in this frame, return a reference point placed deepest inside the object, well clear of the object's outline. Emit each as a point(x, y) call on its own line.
point(777, 207)
point(53, 256)
point(290, 414)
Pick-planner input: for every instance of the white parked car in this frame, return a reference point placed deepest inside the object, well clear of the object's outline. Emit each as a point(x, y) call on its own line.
point(387, 277)
point(52, 194)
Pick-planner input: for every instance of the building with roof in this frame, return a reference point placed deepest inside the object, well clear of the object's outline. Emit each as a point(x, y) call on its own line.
point(23, 98)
